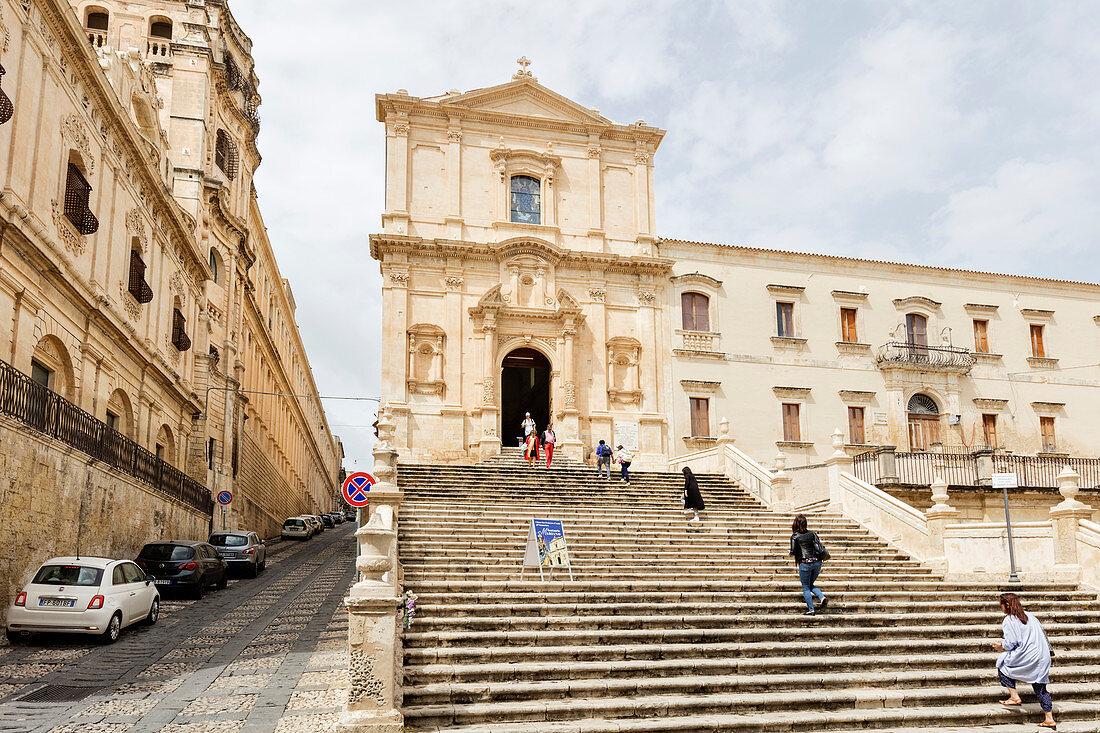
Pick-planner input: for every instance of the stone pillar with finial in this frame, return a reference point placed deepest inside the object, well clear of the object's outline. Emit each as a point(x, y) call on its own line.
point(374, 604)
point(937, 518)
point(1066, 516)
point(839, 462)
point(724, 439)
point(781, 485)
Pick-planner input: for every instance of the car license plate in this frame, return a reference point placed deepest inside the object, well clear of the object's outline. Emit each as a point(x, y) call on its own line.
point(229, 554)
point(162, 582)
point(56, 602)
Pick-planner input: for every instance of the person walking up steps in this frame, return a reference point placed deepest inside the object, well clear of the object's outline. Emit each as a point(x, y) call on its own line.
point(548, 440)
point(603, 460)
point(624, 457)
point(1025, 657)
point(808, 554)
point(693, 499)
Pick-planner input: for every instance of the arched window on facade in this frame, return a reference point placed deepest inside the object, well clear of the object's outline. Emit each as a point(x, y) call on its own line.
point(924, 422)
point(695, 310)
point(225, 155)
point(215, 265)
point(119, 415)
point(160, 28)
point(96, 23)
point(52, 367)
point(165, 446)
point(526, 200)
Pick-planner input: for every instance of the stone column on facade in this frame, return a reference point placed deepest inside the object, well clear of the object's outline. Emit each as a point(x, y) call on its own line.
point(887, 466)
point(24, 312)
point(489, 443)
point(454, 178)
point(597, 398)
point(397, 204)
point(937, 518)
point(595, 190)
point(91, 368)
point(570, 425)
point(1066, 517)
point(839, 462)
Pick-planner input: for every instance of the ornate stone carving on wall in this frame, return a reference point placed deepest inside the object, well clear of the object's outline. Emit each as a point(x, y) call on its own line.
point(646, 297)
point(72, 130)
point(129, 303)
point(135, 226)
point(453, 283)
point(365, 684)
point(178, 287)
point(488, 391)
point(74, 242)
point(570, 395)
point(425, 368)
point(598, 294)
point(399, 278)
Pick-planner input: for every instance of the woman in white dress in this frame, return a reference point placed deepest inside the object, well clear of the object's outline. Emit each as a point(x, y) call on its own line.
point(1025, 657)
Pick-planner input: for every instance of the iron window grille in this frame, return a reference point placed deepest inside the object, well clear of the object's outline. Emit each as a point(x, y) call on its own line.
point(137, 286)
point(77, 195)
point(7, 109)
point(179, 334)
point(232, 72)
point(225, 155)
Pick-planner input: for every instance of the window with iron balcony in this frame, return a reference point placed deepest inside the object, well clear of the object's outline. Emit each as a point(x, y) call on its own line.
point(7, 109)
point(137, 286)
point(77, 197)
point(179, 334)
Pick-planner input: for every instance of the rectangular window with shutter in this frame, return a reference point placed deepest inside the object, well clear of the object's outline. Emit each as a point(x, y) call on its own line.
point(848, 332)
point(855, 425)
point(981, 337)
point(792, 431)
point(700, 417)
point(1037, 347)
point(989, 430)
point(695, 308)
point(784, 319)
point(1046, 429)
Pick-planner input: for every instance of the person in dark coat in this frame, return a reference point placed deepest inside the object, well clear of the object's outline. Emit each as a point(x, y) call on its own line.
point(693, 500)
point(803, 544)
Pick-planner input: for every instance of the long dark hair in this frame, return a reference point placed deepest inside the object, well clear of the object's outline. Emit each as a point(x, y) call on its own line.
point(1010, 604)
point(799, 525)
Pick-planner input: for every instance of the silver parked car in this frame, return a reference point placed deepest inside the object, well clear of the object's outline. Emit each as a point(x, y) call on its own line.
point(297, 528)
point(241, 549)
point(84, 595)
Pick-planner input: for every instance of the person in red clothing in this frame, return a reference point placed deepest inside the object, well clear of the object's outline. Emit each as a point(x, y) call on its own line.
point(548, 439)
point(531, 448)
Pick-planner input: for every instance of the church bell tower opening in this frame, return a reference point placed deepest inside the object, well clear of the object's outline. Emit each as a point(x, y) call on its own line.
point(524, 387)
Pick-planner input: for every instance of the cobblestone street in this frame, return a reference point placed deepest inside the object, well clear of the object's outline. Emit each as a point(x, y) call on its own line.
point(265, 654)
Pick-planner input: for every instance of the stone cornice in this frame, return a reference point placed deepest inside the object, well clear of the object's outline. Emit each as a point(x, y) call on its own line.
point(383, 244)
point(980, 309)
point(128, 144)
point(696, 278)
point(917, 300)
point(1036, 314)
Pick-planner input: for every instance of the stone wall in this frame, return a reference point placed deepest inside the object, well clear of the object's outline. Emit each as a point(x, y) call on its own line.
point(987, 504)
point(53, 496)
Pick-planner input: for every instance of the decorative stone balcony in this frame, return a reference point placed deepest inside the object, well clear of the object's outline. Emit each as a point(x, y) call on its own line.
point(700, 343)
point(915, 357)
point(96, 37)
point(159, 50)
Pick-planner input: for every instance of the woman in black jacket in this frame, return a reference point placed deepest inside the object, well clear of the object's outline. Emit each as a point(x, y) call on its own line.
point(803, 547)
point(693, 499)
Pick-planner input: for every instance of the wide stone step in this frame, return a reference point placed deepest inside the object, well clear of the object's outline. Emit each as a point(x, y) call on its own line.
point(797, 627)
point(923, 704)
point(464, 693)
point(750, 668)
point(722, 585)
point(1079, 716)
point(916, 602)
point(811, 648)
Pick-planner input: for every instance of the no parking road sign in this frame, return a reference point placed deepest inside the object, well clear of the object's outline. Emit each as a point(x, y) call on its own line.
point(356, 487)
point(225, 497)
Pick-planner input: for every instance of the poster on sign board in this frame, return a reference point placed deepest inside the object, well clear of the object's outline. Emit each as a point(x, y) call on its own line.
point(546, 547)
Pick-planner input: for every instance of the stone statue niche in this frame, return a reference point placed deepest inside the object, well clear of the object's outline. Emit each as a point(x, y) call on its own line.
point(624, 386)
point(425, 367)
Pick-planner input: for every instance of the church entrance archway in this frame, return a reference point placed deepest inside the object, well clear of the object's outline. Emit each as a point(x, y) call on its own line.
point(524, 387)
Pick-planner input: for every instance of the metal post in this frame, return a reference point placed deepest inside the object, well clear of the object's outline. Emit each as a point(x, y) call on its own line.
point(1012, 577)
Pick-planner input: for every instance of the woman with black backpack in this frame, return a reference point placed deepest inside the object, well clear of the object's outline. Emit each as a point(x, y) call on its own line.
point(808, 555)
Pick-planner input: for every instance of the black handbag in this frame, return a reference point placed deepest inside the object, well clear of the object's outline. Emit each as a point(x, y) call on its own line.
point(819, 549)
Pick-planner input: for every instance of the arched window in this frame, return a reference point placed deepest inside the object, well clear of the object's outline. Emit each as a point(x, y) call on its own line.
point(160, 28)
point(695, 308)
point(165, 447)
point(916, 329)
point(526, 202)
point(52, 367)
point(214, 264)
point(924, 422)
point(119, 413)
point(97, 20)
point(225, 154)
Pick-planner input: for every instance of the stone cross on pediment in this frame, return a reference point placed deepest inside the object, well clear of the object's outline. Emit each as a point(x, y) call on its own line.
point(523, 72)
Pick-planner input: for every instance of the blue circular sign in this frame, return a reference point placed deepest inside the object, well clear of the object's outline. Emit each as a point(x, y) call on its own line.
point(224, 497)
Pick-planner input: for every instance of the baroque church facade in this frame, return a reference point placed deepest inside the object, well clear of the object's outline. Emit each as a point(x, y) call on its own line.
point(523, 272)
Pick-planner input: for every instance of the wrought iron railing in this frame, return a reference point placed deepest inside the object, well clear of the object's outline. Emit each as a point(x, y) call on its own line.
point(937, 358)
point(919, 468)
point(48, 412)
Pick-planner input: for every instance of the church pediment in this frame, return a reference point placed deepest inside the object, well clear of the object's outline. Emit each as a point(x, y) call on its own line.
point(527, 98)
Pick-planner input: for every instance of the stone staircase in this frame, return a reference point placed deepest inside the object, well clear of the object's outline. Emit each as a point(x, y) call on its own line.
point(668, 627)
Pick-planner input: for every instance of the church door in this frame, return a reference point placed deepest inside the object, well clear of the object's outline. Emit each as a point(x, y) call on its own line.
point(524, 387)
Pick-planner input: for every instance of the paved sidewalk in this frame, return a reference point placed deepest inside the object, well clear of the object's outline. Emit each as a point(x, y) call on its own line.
point(265, 655)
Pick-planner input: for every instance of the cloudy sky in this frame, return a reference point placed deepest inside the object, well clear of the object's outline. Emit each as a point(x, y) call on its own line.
point(961, 134)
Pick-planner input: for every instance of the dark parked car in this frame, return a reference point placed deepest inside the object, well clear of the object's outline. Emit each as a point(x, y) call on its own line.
point(184, 565)
point(328, 521)
point(337, 517)
point(349, 515)
point(241, 550)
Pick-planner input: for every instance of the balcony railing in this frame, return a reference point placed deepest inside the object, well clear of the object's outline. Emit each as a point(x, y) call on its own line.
point(96, 37)
point(159, 50)
point(919, 468)
point(903, 355)
point(47, 412)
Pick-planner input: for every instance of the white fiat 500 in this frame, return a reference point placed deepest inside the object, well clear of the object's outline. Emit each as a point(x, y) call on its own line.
point(87, 595)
